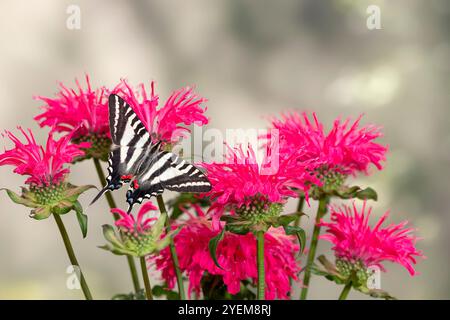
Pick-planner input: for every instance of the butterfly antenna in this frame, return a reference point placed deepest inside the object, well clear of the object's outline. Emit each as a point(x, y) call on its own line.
point(99, 195)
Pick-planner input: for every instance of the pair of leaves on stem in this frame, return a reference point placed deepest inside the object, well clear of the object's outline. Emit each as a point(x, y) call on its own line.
point(236, 225)
point(66, 202)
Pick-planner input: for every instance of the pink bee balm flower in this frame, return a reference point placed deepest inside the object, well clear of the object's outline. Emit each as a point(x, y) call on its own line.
point(84, 111)
point(44, 165)
point(355, 242)
point(241, 181)
point(347, 148)
point(183, 107)
point(236, 254)
point(139, 225)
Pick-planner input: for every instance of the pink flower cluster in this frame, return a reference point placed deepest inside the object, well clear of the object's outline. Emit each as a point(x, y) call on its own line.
point(137, 225)
point(44, 165)
point(240, 179)
point(167, 123)
point(237, 256)
point(355, 241)
point(84, 111)
point(346, 148)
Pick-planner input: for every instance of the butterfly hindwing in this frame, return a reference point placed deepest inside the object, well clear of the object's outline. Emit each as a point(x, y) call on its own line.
point(166, 171)
point(182, 176)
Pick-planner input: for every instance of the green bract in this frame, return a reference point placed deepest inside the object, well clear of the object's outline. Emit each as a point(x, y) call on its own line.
point(258, 216)
point(57, 199)
point(138, 244)
point(343, 272)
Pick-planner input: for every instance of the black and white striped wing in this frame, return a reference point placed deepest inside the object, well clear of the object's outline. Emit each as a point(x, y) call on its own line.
point(131, 143)
point(166, 171)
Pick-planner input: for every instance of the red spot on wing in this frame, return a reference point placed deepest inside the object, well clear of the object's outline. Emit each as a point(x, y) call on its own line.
point(126, 177)
point(135, 184)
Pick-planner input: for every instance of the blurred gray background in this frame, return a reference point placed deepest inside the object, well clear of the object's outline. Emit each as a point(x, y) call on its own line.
point(250, 59)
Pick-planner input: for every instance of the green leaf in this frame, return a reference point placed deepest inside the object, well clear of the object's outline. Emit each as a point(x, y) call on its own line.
point(230, 219)
point(238, 228)
point(140, 295)
point(41, 213)
point(159, 226)
point(213, 244)
point(73, 192)
point(25, 201)
point(367, 194)
point(62, 207)
point(329, 266)
point(374, 293)
point(118, 251)
point(82, 218)
point(286, 219)
point(110, 235)
point(299, 232)
point(161, 291)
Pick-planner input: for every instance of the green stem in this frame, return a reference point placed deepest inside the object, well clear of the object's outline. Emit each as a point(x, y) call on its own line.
point(112, 204)
point(173, 251)
point(260, 264)
point(72, 257)
point(345, 291)
point(148, 287)
point(321, 210)
point(301, 201)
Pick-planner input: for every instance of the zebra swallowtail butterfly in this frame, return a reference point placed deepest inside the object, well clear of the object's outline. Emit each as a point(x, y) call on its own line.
point(135, 159)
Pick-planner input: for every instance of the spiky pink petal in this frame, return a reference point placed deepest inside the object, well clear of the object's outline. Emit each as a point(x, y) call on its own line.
point(44, 165)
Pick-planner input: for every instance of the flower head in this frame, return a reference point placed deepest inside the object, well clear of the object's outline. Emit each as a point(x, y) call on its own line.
point(236, 254)
point(183, 108)
point(141, 235)
point(139, 225)
point(46, 168)
point(358, 246)
point(242, 185)
point(345, 150)
point(44, 165)
point(83, 111)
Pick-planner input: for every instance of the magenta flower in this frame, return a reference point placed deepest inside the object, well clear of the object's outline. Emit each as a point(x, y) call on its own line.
point(242, 184)
point(347, 148)
point(128, 223)
point(236, 254)
point(44, 165)
point(357, 244)
point(84, 111)
point(46, 168)
point(183, 108)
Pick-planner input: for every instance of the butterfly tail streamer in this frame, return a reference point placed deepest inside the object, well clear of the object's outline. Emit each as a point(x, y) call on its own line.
point(99, 195)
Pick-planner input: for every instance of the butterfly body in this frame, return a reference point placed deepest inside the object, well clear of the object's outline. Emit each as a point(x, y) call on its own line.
point(136, 160)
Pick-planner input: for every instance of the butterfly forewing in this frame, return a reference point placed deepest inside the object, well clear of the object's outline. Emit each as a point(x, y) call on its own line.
point(134, 158)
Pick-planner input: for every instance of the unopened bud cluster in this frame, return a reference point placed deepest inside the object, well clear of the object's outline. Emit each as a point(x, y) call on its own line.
point(50, 194)
point(347, 268)
point(259, 210)
point(139, 242)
